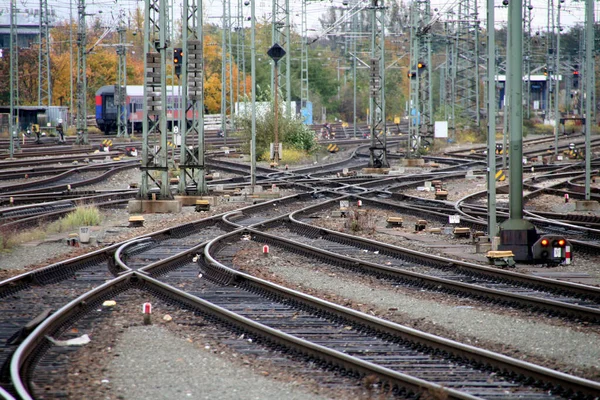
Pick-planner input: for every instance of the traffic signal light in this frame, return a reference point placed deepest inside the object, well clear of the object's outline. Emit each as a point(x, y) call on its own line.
point(545, 71)
point(421, 66)
point(412, 74)
point(177, 60)
point(575, 79)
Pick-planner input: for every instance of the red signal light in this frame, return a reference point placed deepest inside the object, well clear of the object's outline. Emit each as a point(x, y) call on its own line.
point(562, 242)
point(575, 72)
point(544, 242)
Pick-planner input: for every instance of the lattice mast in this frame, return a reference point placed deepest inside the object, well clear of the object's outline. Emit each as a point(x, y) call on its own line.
point(13, 120)
point(527, 54)
point(280, 33)
point(226, 89)
point(449, 78)
point(44, 78)
point(154, 124)
point(304, 58)
point(241, 53)
point(192, 164)
point(420, 127)
point(81, 78)
point(468, 76)
point(120, 87)
point(378, 149)
point(550, 60)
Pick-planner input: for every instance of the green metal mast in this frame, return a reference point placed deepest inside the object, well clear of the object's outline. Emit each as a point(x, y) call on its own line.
point(467, 60)
point(527, 53)
point(120, 87)
point(378, 149)
point(280, 32)
point(225, 66)
point(13, 120)
point(589, 90)
point(192, 164)
point(304, 59)
point(44, 79)
point(420, 127)
point(516, 233)
point(491, 116)
point(82, 135)
point(154, 124)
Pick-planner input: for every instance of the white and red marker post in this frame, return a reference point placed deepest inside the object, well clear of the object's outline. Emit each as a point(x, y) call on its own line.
point(147, 311)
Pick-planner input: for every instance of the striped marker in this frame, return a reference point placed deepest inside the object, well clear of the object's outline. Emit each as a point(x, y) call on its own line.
point(567, 254)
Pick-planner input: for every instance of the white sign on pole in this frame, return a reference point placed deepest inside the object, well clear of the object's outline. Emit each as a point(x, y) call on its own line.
point(440, 129)
point(344, 203)
point(272, 150)
point(454, 219)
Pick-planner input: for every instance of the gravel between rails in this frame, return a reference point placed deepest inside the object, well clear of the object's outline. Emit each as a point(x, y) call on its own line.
point(179, 369)
point(571, 349)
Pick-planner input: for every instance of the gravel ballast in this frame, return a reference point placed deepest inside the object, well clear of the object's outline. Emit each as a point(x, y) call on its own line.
point(156, 364)
point(190, 371)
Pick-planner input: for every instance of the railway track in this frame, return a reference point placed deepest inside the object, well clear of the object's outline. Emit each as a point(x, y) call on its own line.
point(405, 362)
point(192, 267)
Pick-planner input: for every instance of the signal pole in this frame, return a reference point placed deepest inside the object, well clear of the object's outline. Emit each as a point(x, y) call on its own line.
point(280, 33)
point(154, 123)
point(192, 163)
point(378, 149)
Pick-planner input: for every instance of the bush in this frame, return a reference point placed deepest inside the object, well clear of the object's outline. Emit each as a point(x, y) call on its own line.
point(292, 133)
point(82, 216)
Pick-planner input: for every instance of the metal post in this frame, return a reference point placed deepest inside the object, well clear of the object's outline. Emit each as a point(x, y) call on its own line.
point(44, 80)
point(557, 81)
point(82, 137)
point(154, 122)
point(516, 234)
point(378, 149)
point(224, 62)
point(121, 87)
point(253, 90)
point(192, 164)
point(491, 113)
point(589, 89)
point(276, 122)
point(304, 61)
point(14, 77)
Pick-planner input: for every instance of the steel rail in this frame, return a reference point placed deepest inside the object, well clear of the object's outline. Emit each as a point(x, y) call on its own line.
point(465, 352)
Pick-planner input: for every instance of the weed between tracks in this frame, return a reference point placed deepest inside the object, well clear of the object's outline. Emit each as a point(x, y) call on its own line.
point(360, 221)
point(82, 216)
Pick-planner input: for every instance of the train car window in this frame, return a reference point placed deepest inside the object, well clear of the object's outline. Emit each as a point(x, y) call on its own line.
point(109, 103)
